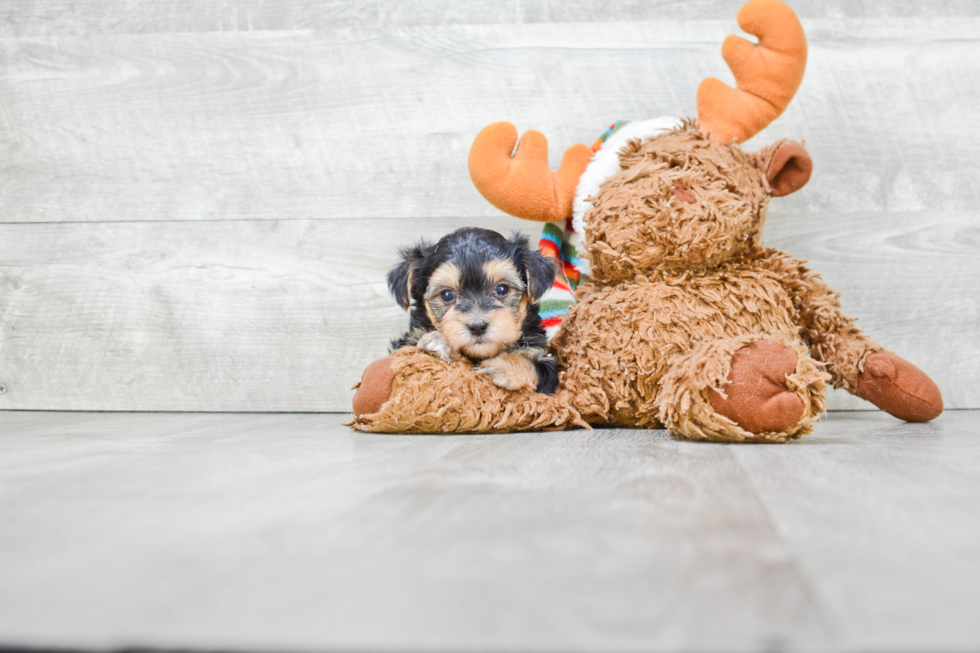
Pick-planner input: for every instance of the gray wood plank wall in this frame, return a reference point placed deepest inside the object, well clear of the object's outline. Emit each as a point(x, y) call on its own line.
point(198, 204)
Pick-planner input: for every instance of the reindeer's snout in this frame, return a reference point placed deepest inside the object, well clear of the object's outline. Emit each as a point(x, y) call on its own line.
point(683, 192)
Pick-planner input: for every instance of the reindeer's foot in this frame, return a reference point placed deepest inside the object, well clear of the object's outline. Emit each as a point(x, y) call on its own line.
point(751, 388)
point(374, 389)
point(899, 388)
point(756, 396)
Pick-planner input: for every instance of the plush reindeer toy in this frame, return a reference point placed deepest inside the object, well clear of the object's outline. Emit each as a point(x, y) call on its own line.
point(687, 321)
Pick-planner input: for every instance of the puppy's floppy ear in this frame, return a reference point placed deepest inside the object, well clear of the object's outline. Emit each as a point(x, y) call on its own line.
point(401, 276)
point(538, 269)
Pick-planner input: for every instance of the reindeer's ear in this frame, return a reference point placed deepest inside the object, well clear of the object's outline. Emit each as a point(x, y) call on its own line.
point(539, 270)
point(401, 277)
point(788, 168)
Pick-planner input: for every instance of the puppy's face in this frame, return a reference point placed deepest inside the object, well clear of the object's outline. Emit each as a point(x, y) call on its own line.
point(479, 306)
point(474, 286)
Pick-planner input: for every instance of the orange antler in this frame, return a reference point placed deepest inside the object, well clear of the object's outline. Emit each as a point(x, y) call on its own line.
point(523, 185)
point(767, 74)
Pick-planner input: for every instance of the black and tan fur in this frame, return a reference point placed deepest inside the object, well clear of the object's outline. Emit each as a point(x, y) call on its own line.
point(474, 294)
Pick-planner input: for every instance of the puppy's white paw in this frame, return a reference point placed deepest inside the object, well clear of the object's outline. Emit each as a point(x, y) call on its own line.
point(434, 343)
point(510, 372)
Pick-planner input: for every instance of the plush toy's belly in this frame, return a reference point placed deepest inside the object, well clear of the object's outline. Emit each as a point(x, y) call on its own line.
point(619, 340)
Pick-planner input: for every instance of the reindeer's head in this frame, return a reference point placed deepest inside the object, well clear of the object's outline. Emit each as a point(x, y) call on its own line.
point(678, 195)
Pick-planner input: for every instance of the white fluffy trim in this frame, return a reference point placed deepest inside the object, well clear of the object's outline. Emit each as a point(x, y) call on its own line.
point(605, 163)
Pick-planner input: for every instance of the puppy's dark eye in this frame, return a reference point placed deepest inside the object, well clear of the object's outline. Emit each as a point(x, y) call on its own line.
point(447, 295)
point(502, 289)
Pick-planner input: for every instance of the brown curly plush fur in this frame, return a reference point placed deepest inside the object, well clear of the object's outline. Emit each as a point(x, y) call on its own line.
point(622, 348)
point(429, 395)
point(638, 224)
point(680, 284)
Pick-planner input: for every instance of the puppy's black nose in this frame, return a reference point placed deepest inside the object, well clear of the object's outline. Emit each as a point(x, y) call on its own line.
point(478, 327)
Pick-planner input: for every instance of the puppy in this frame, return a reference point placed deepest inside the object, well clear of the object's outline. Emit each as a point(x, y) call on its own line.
point(474, 293)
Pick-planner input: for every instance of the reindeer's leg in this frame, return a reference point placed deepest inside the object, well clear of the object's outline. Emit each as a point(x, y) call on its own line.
point(750, 388)
point(414, 392)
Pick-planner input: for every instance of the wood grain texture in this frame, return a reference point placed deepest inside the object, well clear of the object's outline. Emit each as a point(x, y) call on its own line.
point(888, 507)
point(378, 123)
point(139, 165)
point(260, 315)
point(290, 532)
point(85, 17)
point(284, 315)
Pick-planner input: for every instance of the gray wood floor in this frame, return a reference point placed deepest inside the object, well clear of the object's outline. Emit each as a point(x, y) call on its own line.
point(291, 532)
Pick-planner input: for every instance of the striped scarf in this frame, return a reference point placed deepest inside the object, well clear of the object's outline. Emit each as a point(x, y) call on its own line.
point(560, 242)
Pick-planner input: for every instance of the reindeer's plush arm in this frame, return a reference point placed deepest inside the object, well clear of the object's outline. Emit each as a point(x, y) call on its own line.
point(856, 363)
